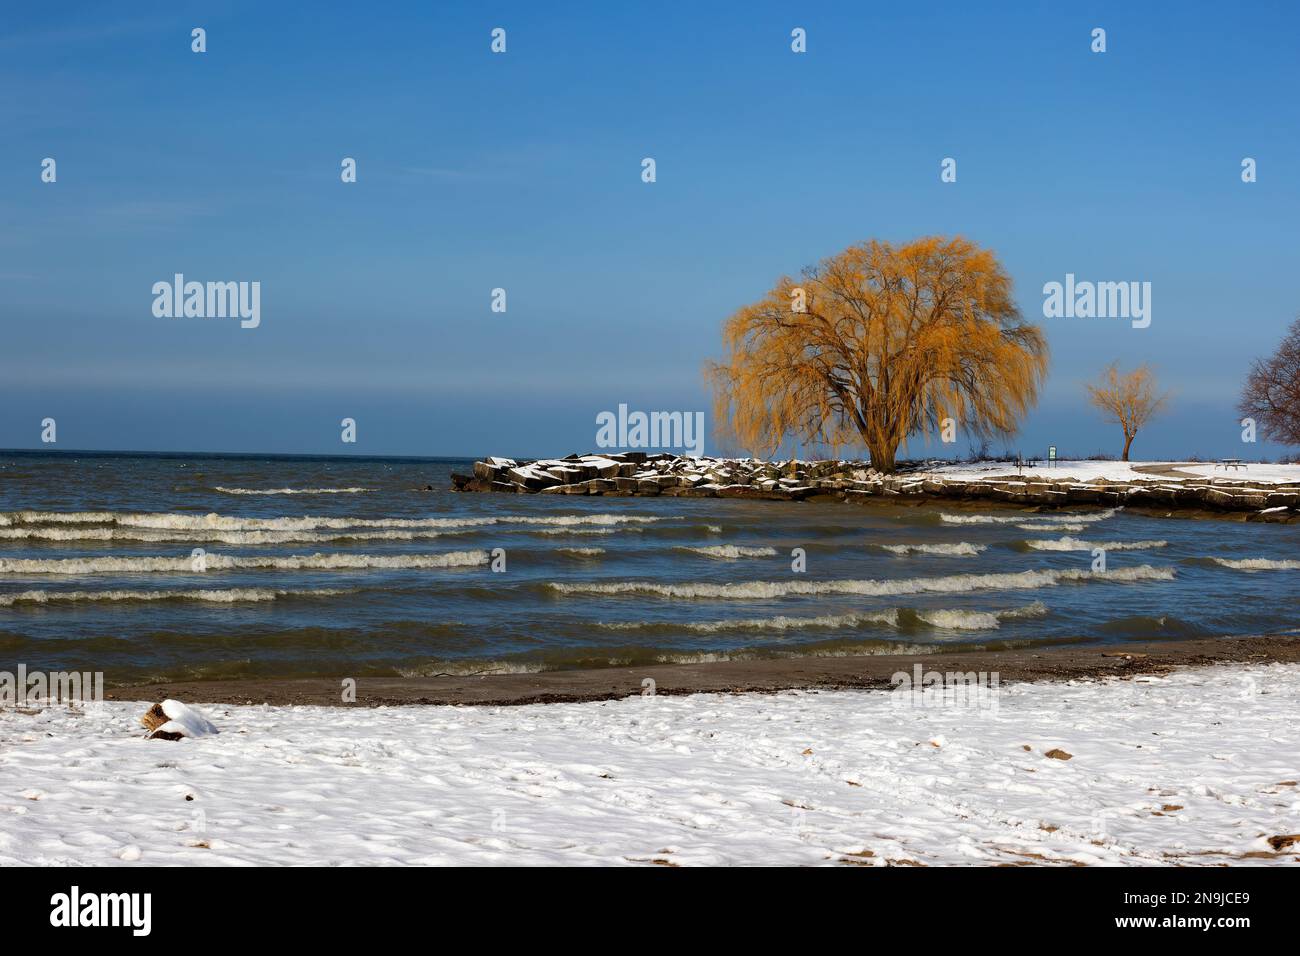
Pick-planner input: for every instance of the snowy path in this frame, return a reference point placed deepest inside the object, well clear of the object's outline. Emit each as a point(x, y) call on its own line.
point(1257, 473)
point(797, 778)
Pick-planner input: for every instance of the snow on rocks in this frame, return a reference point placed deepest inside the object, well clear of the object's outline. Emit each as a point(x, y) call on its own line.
point(172, 720)
point(639, 473)
point(1196, 767)
point(1273, 496)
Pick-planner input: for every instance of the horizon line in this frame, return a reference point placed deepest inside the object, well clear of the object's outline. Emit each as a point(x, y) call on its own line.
point(109, 452)
point(226, 454)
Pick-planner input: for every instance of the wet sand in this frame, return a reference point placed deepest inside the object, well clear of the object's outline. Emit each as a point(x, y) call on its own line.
point(1070, 662)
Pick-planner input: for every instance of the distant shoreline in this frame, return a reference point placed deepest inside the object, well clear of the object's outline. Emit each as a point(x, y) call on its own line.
point(227, 455)
point(1080, 661)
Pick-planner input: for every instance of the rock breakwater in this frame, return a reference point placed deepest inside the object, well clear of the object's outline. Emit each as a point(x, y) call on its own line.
point(643, 474)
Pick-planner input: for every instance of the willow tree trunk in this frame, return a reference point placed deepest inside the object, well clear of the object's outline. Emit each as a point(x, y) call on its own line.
point(882, 458)
point(1128, 441)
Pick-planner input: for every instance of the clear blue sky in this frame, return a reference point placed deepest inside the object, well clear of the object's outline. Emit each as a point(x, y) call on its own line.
point(523, 171)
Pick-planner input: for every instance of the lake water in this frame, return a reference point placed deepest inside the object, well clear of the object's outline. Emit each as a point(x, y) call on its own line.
point(342, 567)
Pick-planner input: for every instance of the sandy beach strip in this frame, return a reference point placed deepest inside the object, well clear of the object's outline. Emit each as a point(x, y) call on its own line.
point(1072, 661)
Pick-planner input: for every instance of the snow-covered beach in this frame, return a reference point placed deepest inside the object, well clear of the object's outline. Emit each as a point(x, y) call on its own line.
point(1199, 766)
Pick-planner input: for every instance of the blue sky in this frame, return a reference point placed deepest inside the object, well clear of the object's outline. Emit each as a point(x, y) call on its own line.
point(522, 171)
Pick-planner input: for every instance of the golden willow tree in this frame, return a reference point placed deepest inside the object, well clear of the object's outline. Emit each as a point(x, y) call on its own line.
point(878, 344)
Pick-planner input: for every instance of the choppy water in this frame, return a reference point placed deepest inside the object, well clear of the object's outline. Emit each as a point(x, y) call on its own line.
point(329, 567)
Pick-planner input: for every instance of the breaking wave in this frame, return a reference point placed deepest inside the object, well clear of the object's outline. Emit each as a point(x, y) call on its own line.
point(957, 583)
point(730, 551)
point(1074, 544)
point(946, 619)
point(220, 537)
point(1258, 564)
point(961, 619)
point(292, 491)
point(1071, 517)
point(470, 668)
point(228, 596)
point(577, 531)
point(226, 562)
point(961, 549)
point(216, 522)
point(779, 623)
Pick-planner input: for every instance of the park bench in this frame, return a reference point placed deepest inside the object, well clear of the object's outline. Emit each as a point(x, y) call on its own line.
point(1226, 463)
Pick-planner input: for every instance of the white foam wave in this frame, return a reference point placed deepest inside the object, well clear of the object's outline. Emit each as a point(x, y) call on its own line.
point(729, 551)
point(292, 491)
point(1258, 564)
point(561, 532)
point(159, 536)
point(220, 596)
point(582, 552)
point(961, 549)
point(1051, 528)
point(961, 619)
point(954, 619)
point(956, 583)
point(216, 522)
point(226, 562)
point(1072, 517)
point(1074, 544)
point(472, 668)
point(779, 623)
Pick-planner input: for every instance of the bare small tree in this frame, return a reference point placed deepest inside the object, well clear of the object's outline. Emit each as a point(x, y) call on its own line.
point(1129, 399)
point(1271, 394)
